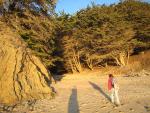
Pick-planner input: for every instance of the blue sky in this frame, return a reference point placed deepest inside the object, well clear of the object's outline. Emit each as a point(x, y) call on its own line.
point(72, 6)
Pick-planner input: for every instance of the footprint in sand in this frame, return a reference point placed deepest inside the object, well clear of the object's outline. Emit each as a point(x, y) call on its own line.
point(103, 106)
point(107, 102)
point(131, 109)
point(138, 102)
point(96, 111)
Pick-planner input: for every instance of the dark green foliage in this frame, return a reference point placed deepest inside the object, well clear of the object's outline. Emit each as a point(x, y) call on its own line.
point(138, 13)
point(104, 33)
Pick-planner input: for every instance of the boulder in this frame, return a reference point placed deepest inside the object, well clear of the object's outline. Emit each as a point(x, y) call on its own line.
point(22, 75)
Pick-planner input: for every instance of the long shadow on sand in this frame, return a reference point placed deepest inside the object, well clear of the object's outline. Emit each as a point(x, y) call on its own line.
point(100, 90)
point(73, 106)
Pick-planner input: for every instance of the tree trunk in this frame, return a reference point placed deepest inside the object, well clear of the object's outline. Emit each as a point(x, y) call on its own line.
point(89, 63)
point(128, 56)
point(122, 59)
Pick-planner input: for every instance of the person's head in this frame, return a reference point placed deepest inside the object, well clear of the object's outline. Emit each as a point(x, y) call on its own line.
point(111, 76)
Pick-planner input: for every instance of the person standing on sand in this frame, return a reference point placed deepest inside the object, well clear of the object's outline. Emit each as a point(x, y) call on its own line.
point(113, 88)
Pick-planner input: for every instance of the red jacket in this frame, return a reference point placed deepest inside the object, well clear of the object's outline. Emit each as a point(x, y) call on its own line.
point(110, 83)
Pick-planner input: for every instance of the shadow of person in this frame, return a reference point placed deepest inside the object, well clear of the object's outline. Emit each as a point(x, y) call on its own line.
point(73, 106)
point(100, 90)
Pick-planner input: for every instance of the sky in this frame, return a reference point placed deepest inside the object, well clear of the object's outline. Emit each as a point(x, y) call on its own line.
point(72, 6)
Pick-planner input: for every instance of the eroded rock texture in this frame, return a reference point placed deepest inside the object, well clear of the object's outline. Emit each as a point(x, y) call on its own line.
point(22, 75)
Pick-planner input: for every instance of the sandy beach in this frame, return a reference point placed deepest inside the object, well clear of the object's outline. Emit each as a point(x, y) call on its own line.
point(89, 94)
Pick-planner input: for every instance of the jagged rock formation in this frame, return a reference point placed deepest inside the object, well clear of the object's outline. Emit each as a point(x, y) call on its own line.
point(22, 75)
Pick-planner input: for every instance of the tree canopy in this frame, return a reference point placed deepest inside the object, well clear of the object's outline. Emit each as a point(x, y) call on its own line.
point(98, 35)
point(103, 34)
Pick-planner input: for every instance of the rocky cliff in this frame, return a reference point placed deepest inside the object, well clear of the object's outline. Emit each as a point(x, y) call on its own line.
point(22, 75)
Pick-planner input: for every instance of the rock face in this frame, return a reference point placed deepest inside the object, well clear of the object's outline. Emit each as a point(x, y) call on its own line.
point(22, 75)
